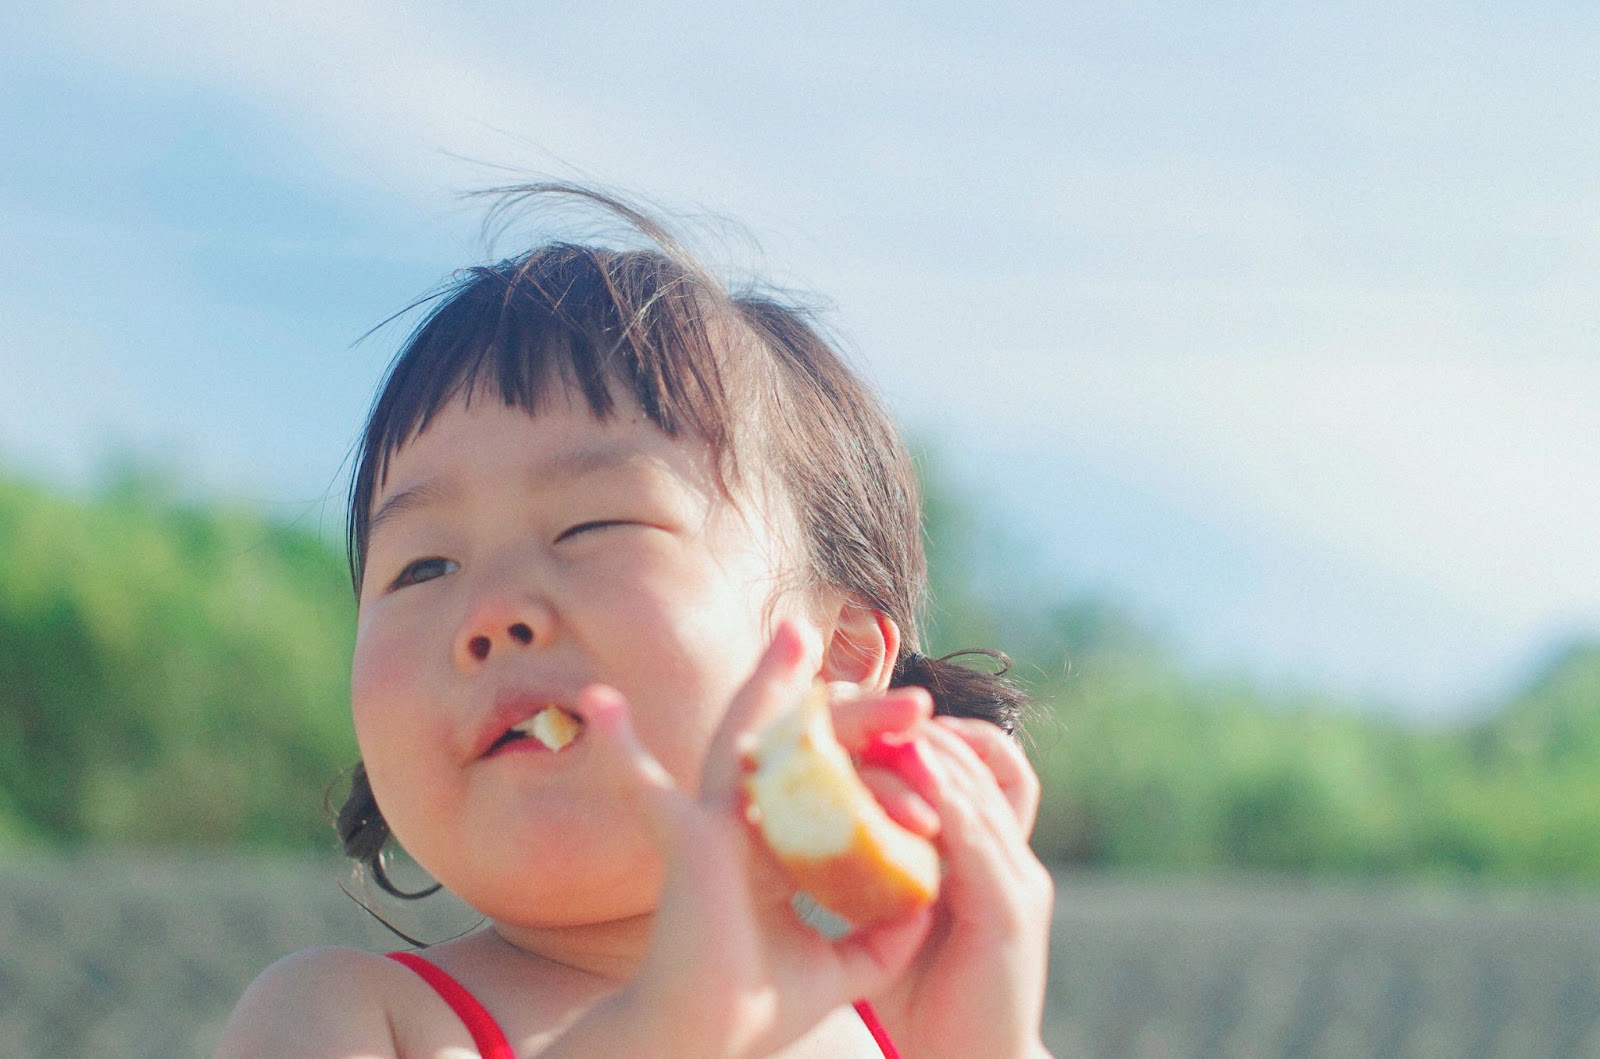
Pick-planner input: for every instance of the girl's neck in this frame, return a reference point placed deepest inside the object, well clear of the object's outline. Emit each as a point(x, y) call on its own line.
point(609, 952)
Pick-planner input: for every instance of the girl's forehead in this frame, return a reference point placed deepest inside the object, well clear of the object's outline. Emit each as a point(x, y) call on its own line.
point(560, 439)
point(480, 443)
point(486, 447)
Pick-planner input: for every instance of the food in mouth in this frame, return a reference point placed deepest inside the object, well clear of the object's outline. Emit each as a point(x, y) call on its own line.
point(552, 726)
point(825, 827)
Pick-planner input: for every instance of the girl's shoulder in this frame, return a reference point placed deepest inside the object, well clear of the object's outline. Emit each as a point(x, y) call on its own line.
point(324, 1001)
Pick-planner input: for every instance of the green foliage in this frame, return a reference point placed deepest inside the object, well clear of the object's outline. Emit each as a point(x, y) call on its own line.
point(1150, 767)
point(177, 675)
point(167, 674)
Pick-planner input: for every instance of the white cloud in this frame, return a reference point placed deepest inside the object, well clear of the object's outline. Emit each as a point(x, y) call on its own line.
point(387, 93)
point(421, 102)
point(1478, 476)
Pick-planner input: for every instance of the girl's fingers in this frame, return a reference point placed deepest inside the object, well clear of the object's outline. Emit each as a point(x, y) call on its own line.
point(609, 728)
point(859, 719)
point(781, 676)
point(1005, 759)
point(980, 833)
point(904, 804)
point(878, 731)
point(869, 955)
point(706, 857)
point(966, 795)
point(905, 757)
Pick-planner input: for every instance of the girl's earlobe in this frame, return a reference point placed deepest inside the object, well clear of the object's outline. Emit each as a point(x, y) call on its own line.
point(861, 646)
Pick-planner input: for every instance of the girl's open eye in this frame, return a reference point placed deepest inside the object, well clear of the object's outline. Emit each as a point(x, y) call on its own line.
point(422, 570)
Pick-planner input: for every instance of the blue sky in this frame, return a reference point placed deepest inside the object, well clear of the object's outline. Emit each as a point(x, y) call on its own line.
point(1277, 325)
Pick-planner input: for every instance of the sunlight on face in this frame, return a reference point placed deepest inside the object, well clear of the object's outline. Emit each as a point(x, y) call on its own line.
point(518, 559)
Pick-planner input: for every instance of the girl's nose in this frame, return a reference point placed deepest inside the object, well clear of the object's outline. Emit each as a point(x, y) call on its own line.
point(497, 627)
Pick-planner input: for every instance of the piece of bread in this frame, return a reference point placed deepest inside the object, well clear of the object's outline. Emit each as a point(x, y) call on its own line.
point(825, 827)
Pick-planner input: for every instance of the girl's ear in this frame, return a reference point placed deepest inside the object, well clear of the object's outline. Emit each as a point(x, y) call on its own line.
point(862, 646)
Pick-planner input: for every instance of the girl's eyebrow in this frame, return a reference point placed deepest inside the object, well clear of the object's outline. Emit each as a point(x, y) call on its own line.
point(423, 494)
point(565, 466)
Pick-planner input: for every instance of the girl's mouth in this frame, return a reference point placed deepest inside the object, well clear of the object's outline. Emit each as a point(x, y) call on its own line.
point(552, 728)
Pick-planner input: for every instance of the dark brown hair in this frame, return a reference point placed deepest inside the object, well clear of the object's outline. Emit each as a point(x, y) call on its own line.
point(746, 371)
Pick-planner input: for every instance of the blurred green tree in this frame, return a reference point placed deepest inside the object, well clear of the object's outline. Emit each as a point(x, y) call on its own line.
point(168, 674)
point(172, 673)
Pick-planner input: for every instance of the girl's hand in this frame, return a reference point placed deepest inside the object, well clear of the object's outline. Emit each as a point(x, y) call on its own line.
point(731, 969)
point(977, 986)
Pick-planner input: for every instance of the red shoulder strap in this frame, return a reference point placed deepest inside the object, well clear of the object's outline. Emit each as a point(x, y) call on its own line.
point(879, 1034)
point(491, 1040)
point(486, 1033)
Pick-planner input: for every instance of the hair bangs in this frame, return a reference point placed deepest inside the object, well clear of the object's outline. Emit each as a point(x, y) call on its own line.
point(598, 324)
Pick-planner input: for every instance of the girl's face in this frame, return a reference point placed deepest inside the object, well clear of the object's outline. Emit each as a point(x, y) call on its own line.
point(513, 560)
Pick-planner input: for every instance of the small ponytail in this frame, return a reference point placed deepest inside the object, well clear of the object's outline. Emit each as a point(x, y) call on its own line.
point(961, 691)
point(364, 834)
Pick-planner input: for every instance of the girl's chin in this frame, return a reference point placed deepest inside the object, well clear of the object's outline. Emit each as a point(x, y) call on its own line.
point(523, 919)
point(537, 892)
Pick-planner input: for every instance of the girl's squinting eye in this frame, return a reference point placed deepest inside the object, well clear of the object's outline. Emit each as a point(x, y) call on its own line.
point(424, 570)
point(586, 527)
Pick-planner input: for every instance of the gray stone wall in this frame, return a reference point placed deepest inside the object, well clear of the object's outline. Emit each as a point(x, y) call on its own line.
point(106, 955)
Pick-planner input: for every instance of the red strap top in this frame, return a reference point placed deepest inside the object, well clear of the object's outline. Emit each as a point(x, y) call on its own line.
point(486, 1034)
point(491, 1041)
point(879, 1034)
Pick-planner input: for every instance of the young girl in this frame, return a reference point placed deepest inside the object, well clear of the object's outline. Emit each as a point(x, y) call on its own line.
point(602, 499)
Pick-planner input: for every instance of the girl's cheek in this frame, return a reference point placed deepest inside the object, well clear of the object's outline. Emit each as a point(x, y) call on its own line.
point(382, 673)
